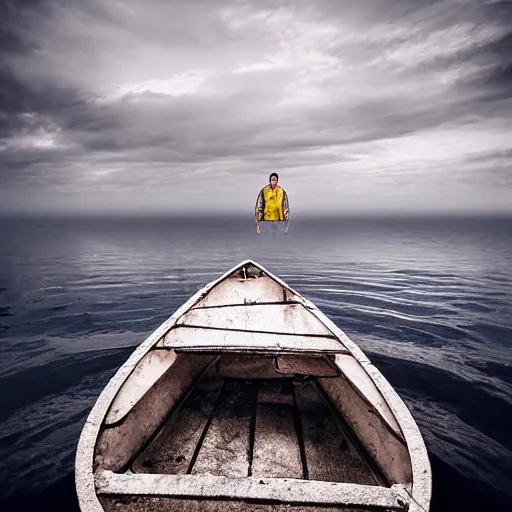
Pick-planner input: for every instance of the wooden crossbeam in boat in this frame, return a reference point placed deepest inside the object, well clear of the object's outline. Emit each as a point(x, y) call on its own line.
point(205, 339)
point(283, 490)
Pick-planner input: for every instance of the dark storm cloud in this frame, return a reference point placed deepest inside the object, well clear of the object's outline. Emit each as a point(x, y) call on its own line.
point(494, 81)
point(97, 96)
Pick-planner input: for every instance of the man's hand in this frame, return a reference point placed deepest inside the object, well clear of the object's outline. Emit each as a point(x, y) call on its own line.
point(258, 230)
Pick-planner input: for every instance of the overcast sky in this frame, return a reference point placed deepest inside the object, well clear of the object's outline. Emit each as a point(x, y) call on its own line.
point(374, 105)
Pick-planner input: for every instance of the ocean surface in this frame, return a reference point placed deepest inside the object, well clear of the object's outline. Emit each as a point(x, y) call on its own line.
point(428, 300)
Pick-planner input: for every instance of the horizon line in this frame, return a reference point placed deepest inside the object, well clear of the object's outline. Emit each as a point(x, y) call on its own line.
point(250, 217)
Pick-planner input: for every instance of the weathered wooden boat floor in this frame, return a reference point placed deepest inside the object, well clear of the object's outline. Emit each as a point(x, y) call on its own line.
point(280, 428)
point(162, 504)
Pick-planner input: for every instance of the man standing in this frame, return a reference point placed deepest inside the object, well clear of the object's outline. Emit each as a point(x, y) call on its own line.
point(272, 204)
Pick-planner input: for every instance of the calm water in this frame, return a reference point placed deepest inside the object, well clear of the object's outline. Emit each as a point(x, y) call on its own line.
point(430, 302)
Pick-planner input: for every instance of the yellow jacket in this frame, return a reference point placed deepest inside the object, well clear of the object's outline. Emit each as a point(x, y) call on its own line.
point(272, 204)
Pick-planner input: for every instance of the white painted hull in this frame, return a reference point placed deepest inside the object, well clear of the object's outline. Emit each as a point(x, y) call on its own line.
point(301, 419)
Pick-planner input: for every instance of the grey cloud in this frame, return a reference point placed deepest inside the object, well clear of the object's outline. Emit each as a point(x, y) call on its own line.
point(13, 36)
point(495, 77)
point(384, 86)
point(491, 168)
point(504, 155)
point(20, 99)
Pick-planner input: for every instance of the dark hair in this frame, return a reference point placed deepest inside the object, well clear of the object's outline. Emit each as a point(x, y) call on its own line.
point(273, 174)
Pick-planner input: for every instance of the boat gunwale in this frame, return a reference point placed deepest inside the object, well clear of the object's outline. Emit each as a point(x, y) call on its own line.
point(420, 490)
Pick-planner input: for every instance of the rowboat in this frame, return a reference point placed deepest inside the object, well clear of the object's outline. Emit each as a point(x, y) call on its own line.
point(249, 398)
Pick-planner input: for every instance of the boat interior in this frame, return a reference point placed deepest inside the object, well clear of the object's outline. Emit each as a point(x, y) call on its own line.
point(248, 416)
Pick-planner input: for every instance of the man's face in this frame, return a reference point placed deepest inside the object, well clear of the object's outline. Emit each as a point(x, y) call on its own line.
point(273, 182)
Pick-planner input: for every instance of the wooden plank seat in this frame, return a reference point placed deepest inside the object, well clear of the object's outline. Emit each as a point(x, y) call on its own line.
point(192, 338)
point(281, 490)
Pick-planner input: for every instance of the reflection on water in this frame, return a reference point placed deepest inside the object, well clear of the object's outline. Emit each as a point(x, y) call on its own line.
point(429, 301)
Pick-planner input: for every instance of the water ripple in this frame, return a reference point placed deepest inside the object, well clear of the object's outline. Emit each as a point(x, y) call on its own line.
point(430, 307)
